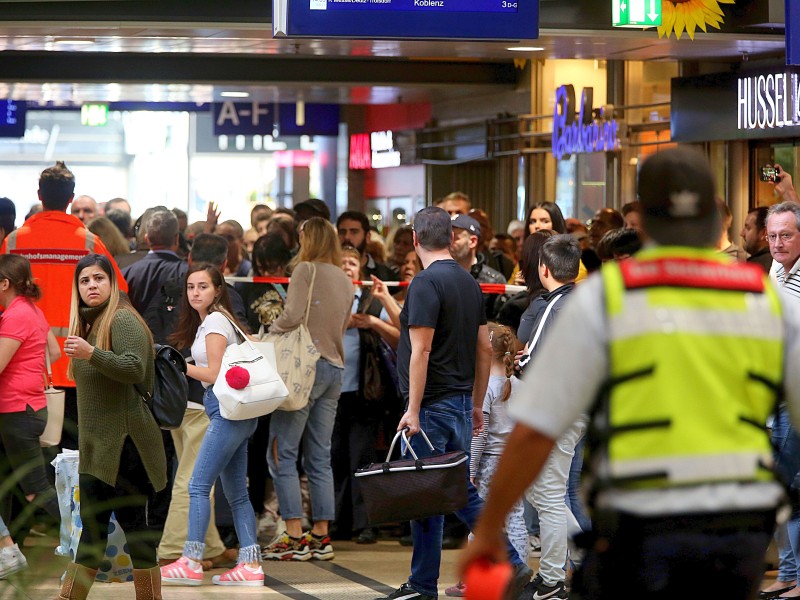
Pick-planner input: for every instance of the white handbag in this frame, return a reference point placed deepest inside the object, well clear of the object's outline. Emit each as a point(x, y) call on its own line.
point(262, 389)
point(51, 436)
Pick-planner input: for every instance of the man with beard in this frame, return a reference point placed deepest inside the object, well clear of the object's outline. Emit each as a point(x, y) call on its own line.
point(353, 228)
point(754, 237)
point(464, 250)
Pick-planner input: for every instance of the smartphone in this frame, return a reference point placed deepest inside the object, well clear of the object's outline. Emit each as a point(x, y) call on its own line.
point(770, 174)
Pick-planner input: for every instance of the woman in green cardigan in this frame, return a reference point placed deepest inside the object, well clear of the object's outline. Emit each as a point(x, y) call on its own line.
point(122, 458)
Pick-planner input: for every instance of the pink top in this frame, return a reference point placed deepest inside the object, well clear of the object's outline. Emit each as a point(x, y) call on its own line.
point(23, 379)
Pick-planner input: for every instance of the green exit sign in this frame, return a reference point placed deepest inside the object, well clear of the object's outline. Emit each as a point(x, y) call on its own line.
point(636, 13)
point(94, 115)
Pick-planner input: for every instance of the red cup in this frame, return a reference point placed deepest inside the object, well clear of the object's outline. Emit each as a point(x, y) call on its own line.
point(486, 580)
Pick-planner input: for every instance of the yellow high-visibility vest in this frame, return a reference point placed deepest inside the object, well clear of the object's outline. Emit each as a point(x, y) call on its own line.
point(696, 368)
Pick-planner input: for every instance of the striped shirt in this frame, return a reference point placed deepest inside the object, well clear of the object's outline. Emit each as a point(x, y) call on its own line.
point(790, 283)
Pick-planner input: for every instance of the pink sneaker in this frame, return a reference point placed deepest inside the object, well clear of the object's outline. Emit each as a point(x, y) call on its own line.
point(182, 573)
point(458, 590)
point(242, 576)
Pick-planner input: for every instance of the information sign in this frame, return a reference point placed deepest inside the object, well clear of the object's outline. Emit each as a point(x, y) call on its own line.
point(267, 118)
point(12, 119)
point(636, 13)
point(792, 32)
point(401, 19)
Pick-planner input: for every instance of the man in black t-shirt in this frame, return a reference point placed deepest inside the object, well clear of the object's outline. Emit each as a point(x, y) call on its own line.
point(443, 360)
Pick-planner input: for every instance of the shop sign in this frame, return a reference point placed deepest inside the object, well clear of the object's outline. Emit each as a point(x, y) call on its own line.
point(757, 104)
point(584, 132)
point(768, 101)
point(373, 150)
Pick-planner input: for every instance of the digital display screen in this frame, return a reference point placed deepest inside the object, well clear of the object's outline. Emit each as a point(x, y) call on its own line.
point(408, 19)
point(482, 6)
point(12, 119)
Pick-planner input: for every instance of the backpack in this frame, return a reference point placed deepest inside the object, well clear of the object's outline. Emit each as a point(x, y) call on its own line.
point(161, 314)
point(170, 390)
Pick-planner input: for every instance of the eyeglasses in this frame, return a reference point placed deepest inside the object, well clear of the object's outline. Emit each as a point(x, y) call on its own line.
point(785, 237)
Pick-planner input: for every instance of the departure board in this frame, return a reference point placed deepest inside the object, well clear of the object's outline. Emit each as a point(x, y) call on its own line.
point(408, 19)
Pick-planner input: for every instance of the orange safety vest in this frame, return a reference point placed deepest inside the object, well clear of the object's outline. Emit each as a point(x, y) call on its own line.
point(54, 242)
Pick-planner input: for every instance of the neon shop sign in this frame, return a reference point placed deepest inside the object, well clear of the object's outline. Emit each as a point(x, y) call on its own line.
point(582, 133)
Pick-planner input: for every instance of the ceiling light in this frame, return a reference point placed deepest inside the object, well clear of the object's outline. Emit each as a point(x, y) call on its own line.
point(235, 94)
point(525, 48)
point(74, 41)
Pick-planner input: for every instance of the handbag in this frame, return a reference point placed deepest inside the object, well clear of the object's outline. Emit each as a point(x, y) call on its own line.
point(51, 436)
point(410, 489)
point(297, 358)
point(373, 379)
point(248, 384)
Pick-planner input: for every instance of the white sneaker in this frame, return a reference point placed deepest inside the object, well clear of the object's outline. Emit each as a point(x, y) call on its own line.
point(11, 561)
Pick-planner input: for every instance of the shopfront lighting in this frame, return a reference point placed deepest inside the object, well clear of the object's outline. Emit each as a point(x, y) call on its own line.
point(525, 48)
point(235, 94)
point(74, 41)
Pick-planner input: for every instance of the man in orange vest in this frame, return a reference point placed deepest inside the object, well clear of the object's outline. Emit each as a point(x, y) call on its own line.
point(54, 242)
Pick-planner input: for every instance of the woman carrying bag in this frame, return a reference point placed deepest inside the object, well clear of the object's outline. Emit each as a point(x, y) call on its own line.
point(328, 299)
point(25, 337)
point(206, 324)
point(122, 460)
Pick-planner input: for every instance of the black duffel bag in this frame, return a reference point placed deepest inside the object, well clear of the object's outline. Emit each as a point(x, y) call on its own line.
point(408, 489)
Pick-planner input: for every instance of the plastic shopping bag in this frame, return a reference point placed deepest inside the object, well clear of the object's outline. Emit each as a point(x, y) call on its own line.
point(116, 566)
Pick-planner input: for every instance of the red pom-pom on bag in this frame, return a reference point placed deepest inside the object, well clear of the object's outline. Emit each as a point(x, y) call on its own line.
point(237, 377)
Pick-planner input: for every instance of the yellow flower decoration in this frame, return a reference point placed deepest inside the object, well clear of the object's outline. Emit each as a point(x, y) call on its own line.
point(688, 15)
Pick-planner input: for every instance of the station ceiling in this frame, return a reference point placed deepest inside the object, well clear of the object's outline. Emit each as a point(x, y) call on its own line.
point(80, 51)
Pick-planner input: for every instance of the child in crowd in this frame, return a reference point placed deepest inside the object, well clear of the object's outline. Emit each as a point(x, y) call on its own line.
point(487, 447)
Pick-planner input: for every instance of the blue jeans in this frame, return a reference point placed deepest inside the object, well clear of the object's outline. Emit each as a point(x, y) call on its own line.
point(448, 425)
point(3, 529)
point(787, 464)
point(313, 426)
point(574, 501)
point(222, 454)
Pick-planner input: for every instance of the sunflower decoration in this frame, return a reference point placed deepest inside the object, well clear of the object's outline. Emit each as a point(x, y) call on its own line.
point(680, 15)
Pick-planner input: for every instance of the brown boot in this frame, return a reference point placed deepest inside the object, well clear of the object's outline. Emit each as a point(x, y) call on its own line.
point(147, 583)
point(78, 581)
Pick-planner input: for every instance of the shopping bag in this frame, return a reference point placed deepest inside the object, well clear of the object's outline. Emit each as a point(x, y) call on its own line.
point(116, 566)
point(297, 358)
point(415, 488)
point(51, 436)
point(248, 385)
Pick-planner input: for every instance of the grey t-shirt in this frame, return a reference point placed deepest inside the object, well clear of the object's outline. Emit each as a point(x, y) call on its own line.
point(499, 424)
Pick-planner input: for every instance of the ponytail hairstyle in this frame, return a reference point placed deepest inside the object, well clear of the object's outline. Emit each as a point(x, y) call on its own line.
point(504, 346)
point(17, 269)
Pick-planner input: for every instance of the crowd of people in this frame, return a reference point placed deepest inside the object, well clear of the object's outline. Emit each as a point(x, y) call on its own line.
point(434, 354)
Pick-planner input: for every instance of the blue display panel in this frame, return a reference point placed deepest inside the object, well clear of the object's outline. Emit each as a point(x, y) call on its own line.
point(12, 119)
point(792, 32)
point(399, 19)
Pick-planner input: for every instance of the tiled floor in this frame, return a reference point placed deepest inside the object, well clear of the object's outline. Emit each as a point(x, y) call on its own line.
point(357, 573)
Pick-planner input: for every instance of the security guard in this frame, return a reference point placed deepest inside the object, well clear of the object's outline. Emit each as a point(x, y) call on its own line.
point(679, 356)
point(54, 242)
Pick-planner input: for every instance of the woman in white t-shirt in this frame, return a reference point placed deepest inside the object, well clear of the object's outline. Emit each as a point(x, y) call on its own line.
point(206, 324)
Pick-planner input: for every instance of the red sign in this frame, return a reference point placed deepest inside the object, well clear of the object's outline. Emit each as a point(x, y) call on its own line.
point(360, 152)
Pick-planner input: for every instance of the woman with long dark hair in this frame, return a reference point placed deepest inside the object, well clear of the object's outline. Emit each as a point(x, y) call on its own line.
point(122, 460)
point(25, 337)
point(545, 215)
point(206, 324)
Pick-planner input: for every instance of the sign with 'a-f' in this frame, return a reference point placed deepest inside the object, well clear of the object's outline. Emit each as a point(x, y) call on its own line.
point(269, 118)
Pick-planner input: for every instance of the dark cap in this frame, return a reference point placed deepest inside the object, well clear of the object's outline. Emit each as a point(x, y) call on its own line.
point(313, 207)
point(677, 184)
point(468, 223)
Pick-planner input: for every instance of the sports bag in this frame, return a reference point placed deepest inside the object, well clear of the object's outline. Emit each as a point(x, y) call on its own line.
point(409, 489)
point(248, 384)
point(168, 400)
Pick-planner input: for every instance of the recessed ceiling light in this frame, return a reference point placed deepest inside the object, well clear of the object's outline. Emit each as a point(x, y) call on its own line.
point(235, 94)
point(74, 41)
point(525, 48)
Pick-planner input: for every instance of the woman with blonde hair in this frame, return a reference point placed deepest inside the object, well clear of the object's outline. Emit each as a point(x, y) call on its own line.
point(319, 260)
point(122, 458)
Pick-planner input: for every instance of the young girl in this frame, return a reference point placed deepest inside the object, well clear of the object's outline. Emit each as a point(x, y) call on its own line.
point(487, 447)
point(205, 324)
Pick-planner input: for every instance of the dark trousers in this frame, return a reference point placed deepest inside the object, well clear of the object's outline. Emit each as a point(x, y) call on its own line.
point(23, 470)
point(355, 434)
point(694, 557)
point(128, 500)
point(69, 435)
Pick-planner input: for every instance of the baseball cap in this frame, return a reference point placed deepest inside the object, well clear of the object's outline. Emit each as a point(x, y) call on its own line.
point(677, 184)
point(468, 223)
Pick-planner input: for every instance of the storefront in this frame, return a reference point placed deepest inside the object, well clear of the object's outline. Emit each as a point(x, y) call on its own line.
point(744, 120)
